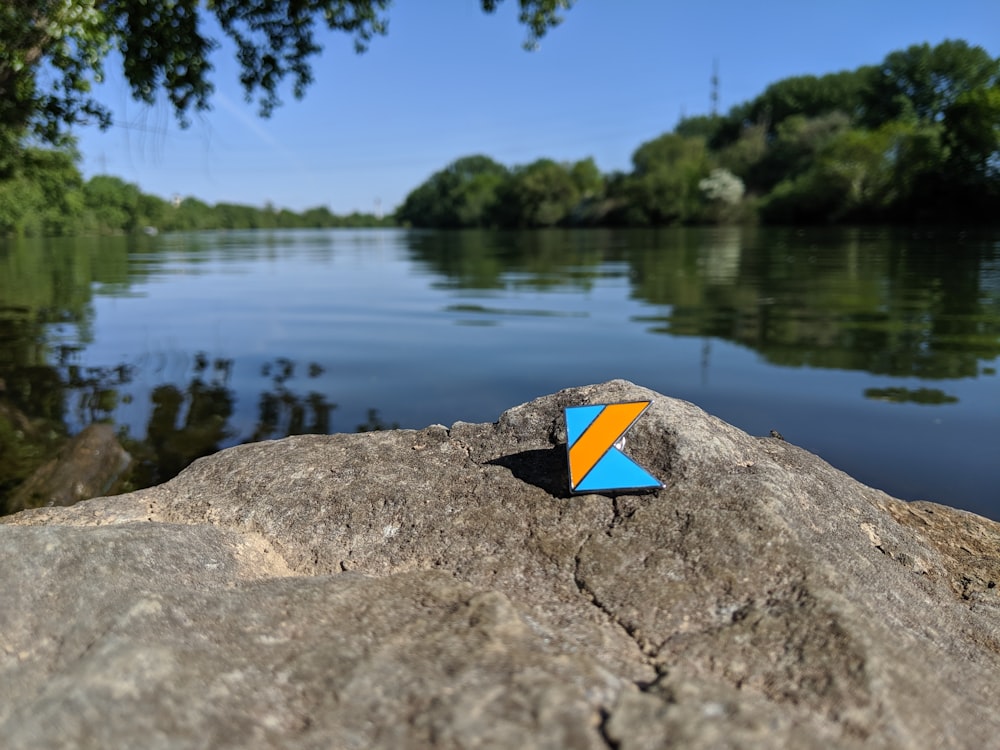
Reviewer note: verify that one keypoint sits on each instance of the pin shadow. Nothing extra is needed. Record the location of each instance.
(544, 468)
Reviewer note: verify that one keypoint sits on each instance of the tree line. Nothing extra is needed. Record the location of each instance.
(915, 139)
(52, 52)
(44, 194)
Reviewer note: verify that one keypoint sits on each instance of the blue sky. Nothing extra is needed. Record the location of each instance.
(449, 81)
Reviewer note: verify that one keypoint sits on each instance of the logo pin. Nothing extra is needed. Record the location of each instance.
(595, 443)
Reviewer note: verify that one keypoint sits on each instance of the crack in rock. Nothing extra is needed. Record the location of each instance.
(592, 597)
(762, 615)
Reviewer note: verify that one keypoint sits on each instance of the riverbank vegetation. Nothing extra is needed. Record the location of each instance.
(914, 139)
(51, 54)
(44, 194)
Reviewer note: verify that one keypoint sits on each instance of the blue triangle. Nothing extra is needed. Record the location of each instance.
(616, 471)
(578, 419)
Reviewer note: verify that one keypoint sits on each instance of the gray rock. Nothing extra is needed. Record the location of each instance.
(91, 464)
(439, 588)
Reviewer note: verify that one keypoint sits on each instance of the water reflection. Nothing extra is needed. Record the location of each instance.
(902, 395)
(501, 312)
(334, 323)
(843, 300)
(185, 421)
(481, 260)
(886, 303)
(282, 412)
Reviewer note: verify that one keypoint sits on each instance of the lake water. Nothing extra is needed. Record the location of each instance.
(877, 350)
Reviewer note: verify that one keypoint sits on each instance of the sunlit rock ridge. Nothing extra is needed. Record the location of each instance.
(441, 588)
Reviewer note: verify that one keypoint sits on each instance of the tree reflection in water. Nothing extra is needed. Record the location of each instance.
(185, 421)
(920, 310)
(282, 412)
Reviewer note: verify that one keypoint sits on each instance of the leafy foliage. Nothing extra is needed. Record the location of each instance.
(538, 15)
(799, 96)
(42, 195)
(52, 51)
(46, 195)
(463, 194)
(69, 39)
(914, 139)
(972, 131)
(476, 191)
(723, 186)
(543, 193)
(922, 82)
(663, 187)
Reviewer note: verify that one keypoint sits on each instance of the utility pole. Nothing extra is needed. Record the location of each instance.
(714, 96)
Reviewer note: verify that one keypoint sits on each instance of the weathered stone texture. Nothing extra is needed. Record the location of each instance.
(439, 588)
(90, 464)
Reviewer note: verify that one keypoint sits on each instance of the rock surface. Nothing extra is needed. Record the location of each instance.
(439, 588)
(25, 443)
(89, 465)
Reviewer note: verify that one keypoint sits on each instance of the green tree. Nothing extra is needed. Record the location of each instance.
(587, 177)
(972, 131)
(893, 172)
(593, 203)
(699, 126)
(918, 156)
(112, 203)
(812, 96)
(59, 182)
(923, 82)
(850, 175)
(41, 194)
(916, 138)
(193, 214)
(460, 195)
(235, 216)
(20, 199)
(805, 96)
(951, 161)
(794, 148)
(663, 187)
(51, 51)
(286, 219)
(743, 156)
(153, 211)
(859, 163)
(542, 194)
(318, 217)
